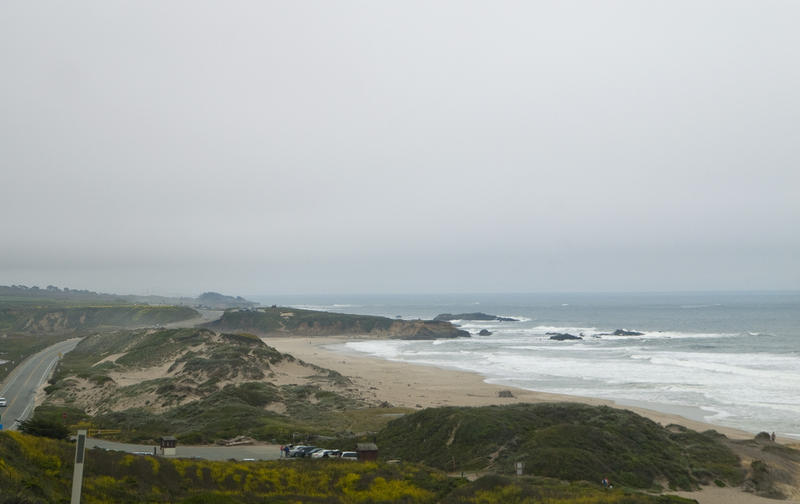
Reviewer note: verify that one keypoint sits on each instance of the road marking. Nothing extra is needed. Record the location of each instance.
(32, 400)
(45, 359)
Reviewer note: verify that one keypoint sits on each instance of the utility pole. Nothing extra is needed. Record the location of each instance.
(77, 474)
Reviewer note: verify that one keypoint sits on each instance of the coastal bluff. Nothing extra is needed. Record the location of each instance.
(283, 321)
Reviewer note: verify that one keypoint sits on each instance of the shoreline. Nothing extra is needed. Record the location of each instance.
(420, 386)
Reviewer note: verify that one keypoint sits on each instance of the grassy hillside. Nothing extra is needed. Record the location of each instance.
(68, 318)
(319, 323)
(38, 470)
(198, 385)
(561, 440)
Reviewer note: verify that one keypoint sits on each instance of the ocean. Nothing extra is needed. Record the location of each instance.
(731, 359)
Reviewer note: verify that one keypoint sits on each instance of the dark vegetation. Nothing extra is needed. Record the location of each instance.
(45, 427)
(37, 470)
(500, 489)
(319, 323)
(561, 440)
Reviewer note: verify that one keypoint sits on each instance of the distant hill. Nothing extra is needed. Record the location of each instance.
(21, 295)
(293, 321)
(221, 301)
(14, 295)
(63, 319)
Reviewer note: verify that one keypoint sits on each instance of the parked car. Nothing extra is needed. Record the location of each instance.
(3, 402)
(296, 450)
(302, 451)
(311, 452)
(348, 455)
(326, 454)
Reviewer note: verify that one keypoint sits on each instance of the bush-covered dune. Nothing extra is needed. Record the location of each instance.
(561, 440)
(50, 319)
(37, 470)
(293, 321)
(196, 384)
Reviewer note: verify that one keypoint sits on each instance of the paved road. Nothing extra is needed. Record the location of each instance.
(257, 452)
(20, 386)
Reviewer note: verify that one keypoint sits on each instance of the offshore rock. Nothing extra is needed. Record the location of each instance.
(446, 317)
(563, 336)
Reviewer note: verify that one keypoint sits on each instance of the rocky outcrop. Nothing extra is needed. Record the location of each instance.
(622, 332)
(297, 322)
(485, 332)
(563, 336)
(422, 330)
(472, 316)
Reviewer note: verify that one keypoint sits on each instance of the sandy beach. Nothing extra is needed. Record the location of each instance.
(417, 386)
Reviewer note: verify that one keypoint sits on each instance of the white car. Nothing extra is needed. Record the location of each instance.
(349, 455)
(326, 454)
(3, 402)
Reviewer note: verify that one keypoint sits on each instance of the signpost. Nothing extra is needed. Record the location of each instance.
(77, 474)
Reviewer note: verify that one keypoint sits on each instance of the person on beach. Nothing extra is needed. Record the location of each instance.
(772, 437)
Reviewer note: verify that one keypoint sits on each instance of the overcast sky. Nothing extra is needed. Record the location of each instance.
(340, 146)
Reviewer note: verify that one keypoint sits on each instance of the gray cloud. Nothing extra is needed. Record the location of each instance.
(380, 147)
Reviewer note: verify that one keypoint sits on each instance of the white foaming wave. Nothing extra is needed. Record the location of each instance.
(379, 348)
(489, 324)
(757, 361)
(715, 367)
(592, 333)
(322, 307)
(571, 347)
(571, 330)
(668, 335)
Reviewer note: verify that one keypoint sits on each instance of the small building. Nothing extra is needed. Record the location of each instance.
(168, 445)
(367, 451)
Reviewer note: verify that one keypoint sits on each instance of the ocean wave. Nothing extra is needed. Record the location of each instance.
(331, 307)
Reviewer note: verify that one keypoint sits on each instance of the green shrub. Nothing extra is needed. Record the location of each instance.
(561, 440)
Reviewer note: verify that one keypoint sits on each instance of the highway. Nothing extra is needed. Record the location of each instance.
(20, 387)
